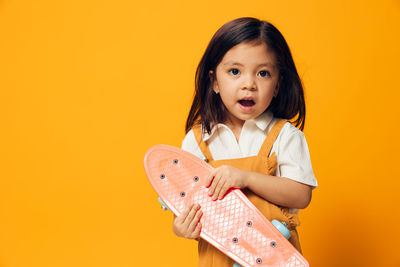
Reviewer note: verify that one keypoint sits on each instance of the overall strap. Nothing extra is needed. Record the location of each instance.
(202, 145)
(271, 137)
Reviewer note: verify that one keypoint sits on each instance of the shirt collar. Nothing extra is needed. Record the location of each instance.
(261, 122)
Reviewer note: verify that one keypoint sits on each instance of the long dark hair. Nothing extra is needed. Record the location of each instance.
(207, 107)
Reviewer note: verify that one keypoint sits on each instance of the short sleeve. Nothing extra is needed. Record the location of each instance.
(189, 144)
(293, 156)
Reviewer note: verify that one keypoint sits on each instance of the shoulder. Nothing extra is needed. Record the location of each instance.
(290, 133)
(189, 144)
(289, 129)
(286, 133)
(293, 155)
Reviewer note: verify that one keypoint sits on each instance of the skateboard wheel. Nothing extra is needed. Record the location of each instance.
(282, 228)
(162, 176)
(163, 206)
(259, 261)
(196, 179)
(175, 161)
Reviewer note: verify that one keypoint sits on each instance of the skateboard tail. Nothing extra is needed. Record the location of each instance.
(175, 190)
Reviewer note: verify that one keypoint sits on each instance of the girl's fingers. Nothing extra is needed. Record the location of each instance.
(192, 213)
(218, 188)
(210, 178)
(223, 191)
(197, 230)
(184, 214)
(211, 190)
(195, 221)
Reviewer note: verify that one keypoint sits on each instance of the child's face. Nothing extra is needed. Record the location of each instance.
(247, 80)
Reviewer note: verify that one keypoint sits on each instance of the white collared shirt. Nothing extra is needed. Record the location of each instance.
(290, 147)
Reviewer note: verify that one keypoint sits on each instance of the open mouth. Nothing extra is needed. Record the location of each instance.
(247, 102)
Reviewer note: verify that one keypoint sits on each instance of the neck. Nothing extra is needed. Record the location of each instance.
(236, 126)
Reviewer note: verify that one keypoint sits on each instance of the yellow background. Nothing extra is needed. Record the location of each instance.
(86, 87)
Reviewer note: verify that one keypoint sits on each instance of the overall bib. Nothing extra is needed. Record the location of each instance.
(208, 254)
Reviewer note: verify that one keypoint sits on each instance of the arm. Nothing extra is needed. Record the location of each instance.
(278, 190)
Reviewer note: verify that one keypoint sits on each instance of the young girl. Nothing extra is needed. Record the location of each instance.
(247, 88)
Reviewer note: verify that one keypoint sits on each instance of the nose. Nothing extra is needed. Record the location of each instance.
(249, 83)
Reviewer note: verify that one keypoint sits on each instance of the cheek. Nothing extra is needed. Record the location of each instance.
(226, 97)
(266, 98)
(225, 84)
(266, 101)
(226, 88)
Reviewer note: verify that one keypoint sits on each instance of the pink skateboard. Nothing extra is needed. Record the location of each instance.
(233, 225)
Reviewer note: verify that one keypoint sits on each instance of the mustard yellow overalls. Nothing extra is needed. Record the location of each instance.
(208, 254)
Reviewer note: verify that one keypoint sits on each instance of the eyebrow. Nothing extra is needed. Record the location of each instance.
(267, 64)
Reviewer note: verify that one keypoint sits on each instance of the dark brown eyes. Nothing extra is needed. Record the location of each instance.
(262, 73)
(234, 71)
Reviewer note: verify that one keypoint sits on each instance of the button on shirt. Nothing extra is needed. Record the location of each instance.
(290, 147)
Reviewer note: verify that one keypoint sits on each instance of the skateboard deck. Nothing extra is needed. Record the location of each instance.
(233, 225)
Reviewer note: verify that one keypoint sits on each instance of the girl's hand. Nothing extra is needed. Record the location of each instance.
(223, 178)
(188, 224)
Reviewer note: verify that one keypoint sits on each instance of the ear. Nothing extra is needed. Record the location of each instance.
(214, 82)
(276, 91)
